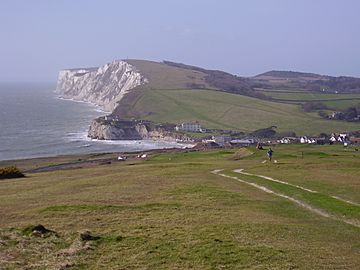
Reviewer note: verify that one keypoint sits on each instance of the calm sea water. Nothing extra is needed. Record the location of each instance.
(34, 122)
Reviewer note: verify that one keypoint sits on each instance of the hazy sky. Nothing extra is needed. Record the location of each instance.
(244, 37)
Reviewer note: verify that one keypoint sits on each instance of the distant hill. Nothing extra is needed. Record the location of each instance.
(169, 92)
(171, 75)
(177, 92)
(221, 80)
(289, 74)
(305, 81)
(174, 76)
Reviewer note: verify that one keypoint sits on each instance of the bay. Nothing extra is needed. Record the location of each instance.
(34, 122)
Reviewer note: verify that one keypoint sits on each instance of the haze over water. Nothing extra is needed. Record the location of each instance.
(35, 123)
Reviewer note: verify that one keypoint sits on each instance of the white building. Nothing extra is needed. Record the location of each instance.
(242, 142)
(190, 127)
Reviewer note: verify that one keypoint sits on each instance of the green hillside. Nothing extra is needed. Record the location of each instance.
(178, 92)
(162, 76)
(173, 211)
(333, 101)
(215, 109)
(309, 96)
(306, 81)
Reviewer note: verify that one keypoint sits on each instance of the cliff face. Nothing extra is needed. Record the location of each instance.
(103, 86)
(132, 130)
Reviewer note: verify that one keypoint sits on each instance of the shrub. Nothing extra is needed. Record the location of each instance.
(265, 132)
(313, 106)
(10, 172)
(285, 134)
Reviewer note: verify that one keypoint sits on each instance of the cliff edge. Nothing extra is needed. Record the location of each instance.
(109, 128)
(104, 86)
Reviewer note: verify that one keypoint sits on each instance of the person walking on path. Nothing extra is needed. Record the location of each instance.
(270, 154)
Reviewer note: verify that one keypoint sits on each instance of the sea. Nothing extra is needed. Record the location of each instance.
(35, 122)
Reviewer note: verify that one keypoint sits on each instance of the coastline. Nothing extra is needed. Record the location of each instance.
(97, 107)
(80, 161)
(150, 144)
(60, 128)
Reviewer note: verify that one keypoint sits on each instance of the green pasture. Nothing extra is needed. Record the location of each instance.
(220, 110)
(172, 212)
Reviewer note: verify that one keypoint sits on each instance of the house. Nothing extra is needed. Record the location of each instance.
(221, 140)
(287, 140)
(242, 142)
(189, 127)
(333, 138)
(341, 138)
(307, 140)
(337, 115)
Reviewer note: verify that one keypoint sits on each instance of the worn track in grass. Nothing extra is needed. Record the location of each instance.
(298, 202)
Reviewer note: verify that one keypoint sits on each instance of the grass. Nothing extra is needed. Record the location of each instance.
(162, 76)
(173, 91)
(341, 104)
(317, 200)
(230, 111)
(309, 96)
(170, 212)
(332, 101)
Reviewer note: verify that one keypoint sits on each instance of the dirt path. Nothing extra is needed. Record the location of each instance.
(241, 171)
(274, 180)
(296, 201)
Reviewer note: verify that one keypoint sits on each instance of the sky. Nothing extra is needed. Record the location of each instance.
(244, 37)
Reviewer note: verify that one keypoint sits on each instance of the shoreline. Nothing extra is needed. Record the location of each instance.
(53, 141)
(100, 152)
(79, 161)
(98, 108)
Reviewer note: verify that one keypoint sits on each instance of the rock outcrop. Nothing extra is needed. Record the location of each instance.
(103, 86)
(106, 128)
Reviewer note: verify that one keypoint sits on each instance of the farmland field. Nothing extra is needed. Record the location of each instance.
(297, 95)
(173, 211)
(332, 100)
(215, 109)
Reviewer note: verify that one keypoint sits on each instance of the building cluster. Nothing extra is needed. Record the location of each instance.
(227, 140)
(342, 138)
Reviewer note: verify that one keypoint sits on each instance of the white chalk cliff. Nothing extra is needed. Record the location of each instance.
(103, 86)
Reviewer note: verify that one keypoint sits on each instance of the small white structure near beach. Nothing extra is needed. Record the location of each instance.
(190, 127)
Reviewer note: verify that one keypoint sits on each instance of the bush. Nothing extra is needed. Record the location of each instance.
(313, 106)
(265, 132)
(285, 134)
(10, 172)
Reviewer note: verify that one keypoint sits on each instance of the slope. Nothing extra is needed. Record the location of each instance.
(215, 109)
(306, 81)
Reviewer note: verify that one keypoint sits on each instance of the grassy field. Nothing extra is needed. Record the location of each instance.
(162, 76)
(341, 104)
(333, 101)
(216, 109)
(172, 212)
(297, 95)
(171, 96)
